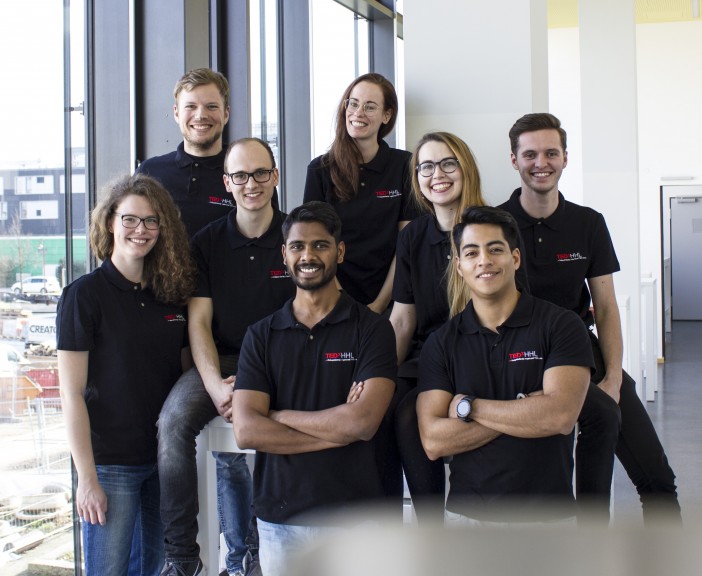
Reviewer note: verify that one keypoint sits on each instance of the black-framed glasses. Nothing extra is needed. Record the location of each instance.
(370, 108)
(132, 221)
(447, 165)
(261, 176)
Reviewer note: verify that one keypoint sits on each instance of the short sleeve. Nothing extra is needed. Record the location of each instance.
(402, 284)
(200, 249)
(434, 371)
(77, 318)
(314, 183)
(251, 372)
(569, 342)
(377, 353)
(604, 259)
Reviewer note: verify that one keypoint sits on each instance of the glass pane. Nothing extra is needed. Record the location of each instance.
(400, 131)
(264, 72)
(336, 61)
(35, 482)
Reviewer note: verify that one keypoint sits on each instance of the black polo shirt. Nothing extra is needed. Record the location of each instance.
(423, 256)
(196, 184)
(563, 251)
(134, 345)
(245, 277)
(303, 369)
(462, 357)
(370, 220)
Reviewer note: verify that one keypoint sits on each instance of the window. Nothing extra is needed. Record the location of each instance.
(264, 73)
(333, 68)
(34, 454)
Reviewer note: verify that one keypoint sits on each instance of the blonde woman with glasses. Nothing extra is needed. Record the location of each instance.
(445, 180)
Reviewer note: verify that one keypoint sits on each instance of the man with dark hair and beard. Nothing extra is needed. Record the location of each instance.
(315, 379)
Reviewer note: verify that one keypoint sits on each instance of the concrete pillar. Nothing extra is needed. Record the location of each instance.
(473, 68)
(610, 143)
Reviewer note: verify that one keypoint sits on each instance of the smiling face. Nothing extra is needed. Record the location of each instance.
(250, 157)
(358, 123)
(201, 114)
(540, 160)
(131, 244)
(440, 189)
(311, 255)
(485, 261)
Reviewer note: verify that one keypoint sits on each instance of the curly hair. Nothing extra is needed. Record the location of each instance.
(168, 269)
(344, 158)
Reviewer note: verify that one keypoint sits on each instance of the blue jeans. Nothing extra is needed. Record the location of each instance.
(131, 541)
(185, 413)
(281, 545)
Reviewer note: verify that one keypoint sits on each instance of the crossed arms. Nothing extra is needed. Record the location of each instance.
(536, 416)
(258, 427)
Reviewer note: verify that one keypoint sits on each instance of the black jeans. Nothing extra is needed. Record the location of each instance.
(426, 480)
(629, 433)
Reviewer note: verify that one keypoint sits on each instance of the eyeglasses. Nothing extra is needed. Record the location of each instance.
(370, 108)
(447, 165)
(261, 176)
(131, 221)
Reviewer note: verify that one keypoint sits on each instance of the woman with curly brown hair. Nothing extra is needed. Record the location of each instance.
(121, 338)
(368, 184)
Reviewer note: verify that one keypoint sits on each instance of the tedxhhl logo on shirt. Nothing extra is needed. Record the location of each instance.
(174, 318)
(521, 356)
(387, 194)
(339, 357)
(277, 274)
(570, 257)
(220, 201)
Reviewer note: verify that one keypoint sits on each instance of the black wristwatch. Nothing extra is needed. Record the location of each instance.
(464, 408)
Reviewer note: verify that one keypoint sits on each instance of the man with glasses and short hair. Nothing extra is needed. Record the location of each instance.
(241, 279)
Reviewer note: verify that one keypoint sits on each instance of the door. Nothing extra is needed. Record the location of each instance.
(686, 257)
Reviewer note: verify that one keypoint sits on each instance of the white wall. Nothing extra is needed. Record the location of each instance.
(472, 71)
(669, 116)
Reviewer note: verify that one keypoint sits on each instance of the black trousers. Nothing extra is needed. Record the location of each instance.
(627, 431)
(426, 479)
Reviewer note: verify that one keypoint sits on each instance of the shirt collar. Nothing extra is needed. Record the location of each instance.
(555, 221)
(216, 162)
(116, 278)
(520, 316)
(269, 239)
(381, 159)
(285, 319)
(436, 235)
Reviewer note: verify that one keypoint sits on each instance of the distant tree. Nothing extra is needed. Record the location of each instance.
(23, 254)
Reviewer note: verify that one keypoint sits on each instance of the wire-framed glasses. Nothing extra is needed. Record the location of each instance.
(370, 108)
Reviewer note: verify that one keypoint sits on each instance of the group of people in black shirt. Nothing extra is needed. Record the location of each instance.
(391, 323)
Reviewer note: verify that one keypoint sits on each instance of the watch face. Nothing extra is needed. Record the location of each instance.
(463, 408)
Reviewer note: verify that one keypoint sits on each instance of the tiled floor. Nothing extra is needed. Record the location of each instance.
(677, 415)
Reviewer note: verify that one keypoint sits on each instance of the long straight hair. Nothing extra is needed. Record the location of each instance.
(344, 158)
